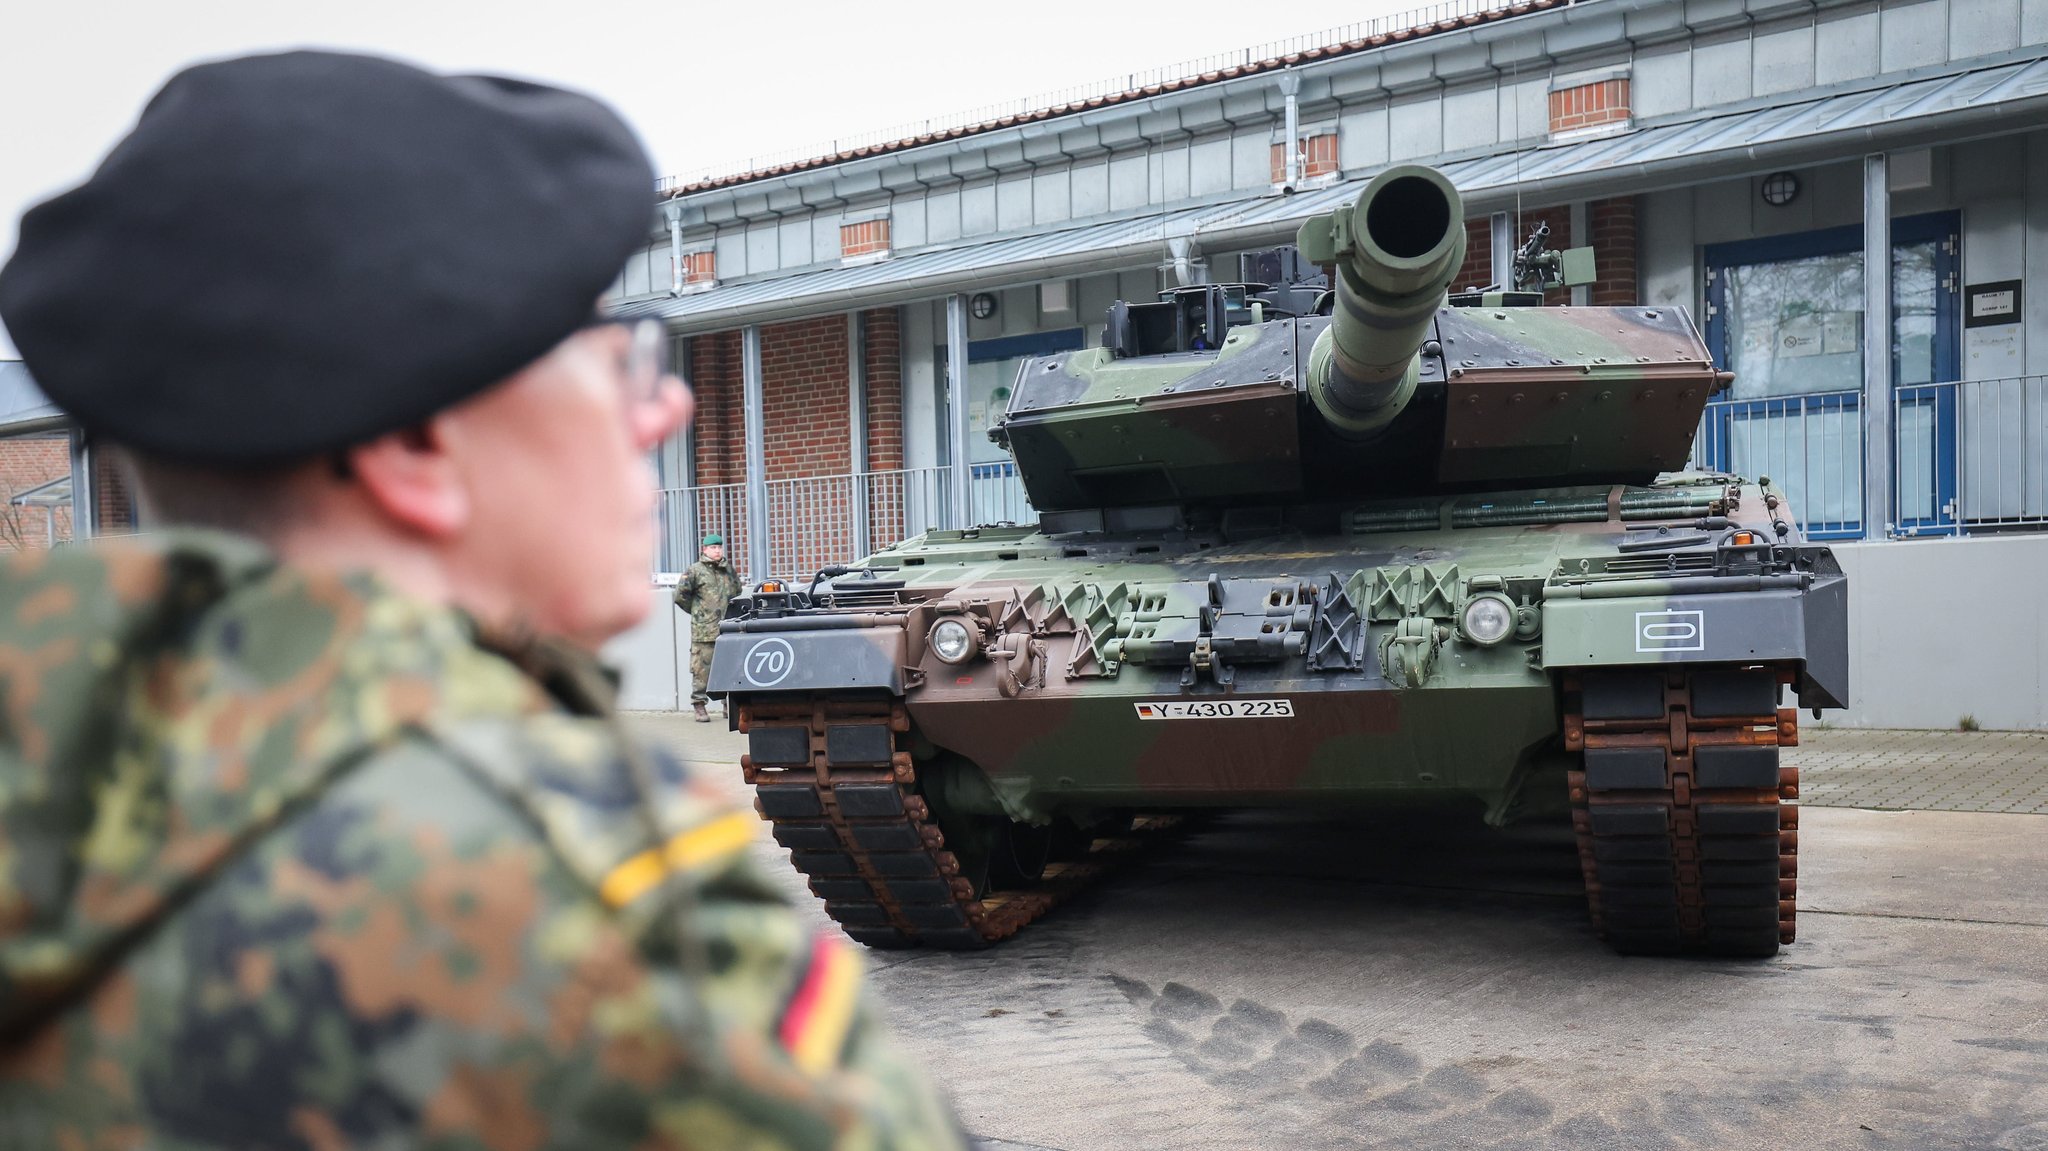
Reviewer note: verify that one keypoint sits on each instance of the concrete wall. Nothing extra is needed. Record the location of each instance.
(653, 660)
(1938, 629)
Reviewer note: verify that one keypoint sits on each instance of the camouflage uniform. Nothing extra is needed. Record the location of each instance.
(288, 861)
(704, 591)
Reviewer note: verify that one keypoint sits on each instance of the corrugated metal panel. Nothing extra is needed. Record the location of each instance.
(1915, 112)
(919, 274)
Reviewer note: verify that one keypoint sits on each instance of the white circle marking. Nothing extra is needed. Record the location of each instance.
(769, 662)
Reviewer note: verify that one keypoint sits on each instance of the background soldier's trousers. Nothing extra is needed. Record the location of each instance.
(700, 669)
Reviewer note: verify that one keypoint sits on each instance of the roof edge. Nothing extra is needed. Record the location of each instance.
(1435, 20)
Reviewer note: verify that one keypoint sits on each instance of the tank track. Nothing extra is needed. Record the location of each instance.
(1687, 830)
(835, 781)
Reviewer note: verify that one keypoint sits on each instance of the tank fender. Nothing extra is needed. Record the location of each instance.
(794, 658)
(1786, 624)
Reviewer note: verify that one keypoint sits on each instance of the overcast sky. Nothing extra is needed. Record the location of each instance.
(705, 84)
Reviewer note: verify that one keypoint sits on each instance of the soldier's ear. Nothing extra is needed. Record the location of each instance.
(412, 481)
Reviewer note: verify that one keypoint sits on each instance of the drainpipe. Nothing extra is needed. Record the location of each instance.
(959, 500)
(85, 505)
(1290, 86)
(1877, 348)
(1182, 251)
(1503, 250)
(857, 429)
(1582, 236)
(675, 253)
(759, 555)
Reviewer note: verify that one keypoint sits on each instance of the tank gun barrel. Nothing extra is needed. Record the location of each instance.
(1396, 250)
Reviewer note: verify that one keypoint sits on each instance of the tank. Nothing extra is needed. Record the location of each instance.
(1333, 535)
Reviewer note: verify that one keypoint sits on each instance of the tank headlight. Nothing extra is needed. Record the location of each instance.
(952, 641)
(1489, 619)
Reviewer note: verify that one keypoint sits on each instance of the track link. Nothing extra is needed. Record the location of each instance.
(1687, 830)
(834, 780)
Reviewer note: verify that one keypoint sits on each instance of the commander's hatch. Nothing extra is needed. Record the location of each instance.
(1092, 429)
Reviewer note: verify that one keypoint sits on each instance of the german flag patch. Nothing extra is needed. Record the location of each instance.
(819, 1018)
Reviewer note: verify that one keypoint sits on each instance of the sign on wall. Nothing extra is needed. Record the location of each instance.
(1994, 341)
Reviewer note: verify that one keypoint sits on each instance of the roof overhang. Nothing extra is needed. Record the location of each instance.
(54, 494)
(1909, 111)
(24, 409)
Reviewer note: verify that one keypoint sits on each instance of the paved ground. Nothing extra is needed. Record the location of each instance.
(1925, 770)
(1280, 980)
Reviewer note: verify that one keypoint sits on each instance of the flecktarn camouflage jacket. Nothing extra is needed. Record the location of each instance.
(704, 591)
(287, 861)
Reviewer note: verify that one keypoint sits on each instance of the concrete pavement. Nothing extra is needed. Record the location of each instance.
(1290, 980)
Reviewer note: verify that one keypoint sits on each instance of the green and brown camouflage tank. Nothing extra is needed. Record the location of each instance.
(1339, 546)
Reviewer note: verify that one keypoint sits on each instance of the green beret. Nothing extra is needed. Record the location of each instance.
(713, 538)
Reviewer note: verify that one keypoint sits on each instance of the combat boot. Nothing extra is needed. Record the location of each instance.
(702, 715)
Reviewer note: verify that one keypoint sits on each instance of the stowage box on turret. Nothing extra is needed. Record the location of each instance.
(1331, 536)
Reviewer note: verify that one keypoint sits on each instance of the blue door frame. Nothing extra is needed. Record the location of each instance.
(989, 351)
(1937, 398)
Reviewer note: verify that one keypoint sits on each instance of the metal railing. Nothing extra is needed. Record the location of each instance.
(1968, 457)
(1972, 456)
(989, 114)
(686, 515)
(995, 495)
(1810, 446)
(819, 520)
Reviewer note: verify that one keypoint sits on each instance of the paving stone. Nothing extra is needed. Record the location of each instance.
(1994, 771)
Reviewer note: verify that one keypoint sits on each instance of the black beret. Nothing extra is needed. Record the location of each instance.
(292, 253)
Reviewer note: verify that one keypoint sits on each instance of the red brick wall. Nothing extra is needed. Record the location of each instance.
(884, 335)
(804, 399)
(864, 238)
(719, 428)
(116, 505)
(1589, 105)
(1613, 227)
(1613, 224)
(25, 462)
(700, 267)
(1318, 157)
(1478, 269)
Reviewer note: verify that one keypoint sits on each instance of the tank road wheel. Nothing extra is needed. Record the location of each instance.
(1687, 830)
(836, 780)
(1022, 853)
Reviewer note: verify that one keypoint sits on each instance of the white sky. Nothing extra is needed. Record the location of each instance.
(704, 83)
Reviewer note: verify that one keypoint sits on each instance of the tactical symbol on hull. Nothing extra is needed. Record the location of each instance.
(1671, 631)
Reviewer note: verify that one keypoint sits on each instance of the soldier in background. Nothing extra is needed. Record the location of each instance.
(703, 592)
(317, 827)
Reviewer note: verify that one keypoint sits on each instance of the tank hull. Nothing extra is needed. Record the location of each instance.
(1267, 663)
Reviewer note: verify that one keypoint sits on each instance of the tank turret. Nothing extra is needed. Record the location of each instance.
(1396, 250)
(1344, 369)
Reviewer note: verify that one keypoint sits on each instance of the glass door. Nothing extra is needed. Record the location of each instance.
(1785, 314)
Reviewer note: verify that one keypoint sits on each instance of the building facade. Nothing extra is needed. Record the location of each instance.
(44, 463)
(1849, 196)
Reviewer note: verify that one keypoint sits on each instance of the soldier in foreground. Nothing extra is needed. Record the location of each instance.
(703, 592)
(317, 828)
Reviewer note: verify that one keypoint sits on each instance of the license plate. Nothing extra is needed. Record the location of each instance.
(1217, 709)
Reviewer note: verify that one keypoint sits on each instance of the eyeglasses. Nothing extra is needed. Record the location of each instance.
(647, 360)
